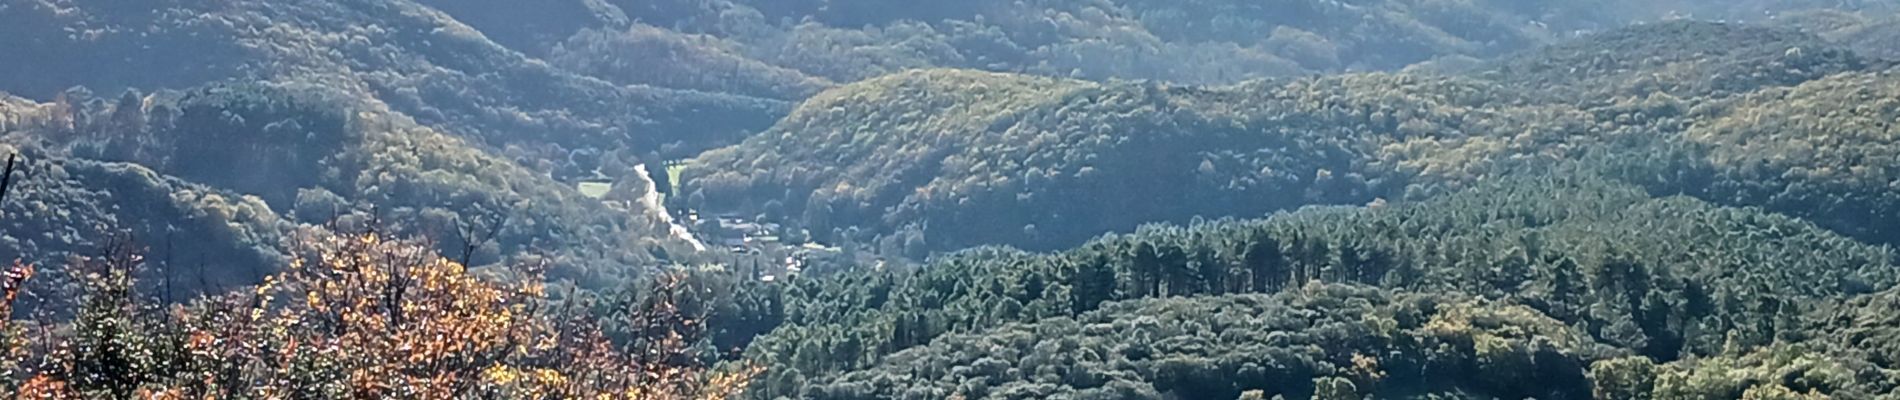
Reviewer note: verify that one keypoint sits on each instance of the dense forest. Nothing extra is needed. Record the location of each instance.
(885, 199)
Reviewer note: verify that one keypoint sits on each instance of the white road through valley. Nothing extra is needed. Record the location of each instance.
(650, 200)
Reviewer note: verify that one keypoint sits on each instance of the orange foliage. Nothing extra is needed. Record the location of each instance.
(365, 317)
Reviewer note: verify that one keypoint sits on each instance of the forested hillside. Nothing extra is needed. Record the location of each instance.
(1823, 149)
(872, 199)
(414, 58)
(1669, 279)
(1197, 42)
(1358, 342)
(1696, 60)
(983, 158)
(1146, 152)
(318, 158)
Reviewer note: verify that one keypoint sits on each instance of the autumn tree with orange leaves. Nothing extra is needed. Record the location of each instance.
(359, 316)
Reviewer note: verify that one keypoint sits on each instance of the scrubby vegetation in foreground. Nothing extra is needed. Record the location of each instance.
(358, 316)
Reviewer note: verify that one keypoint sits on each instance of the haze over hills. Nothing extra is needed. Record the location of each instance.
(1697, 60)
(414, 58)
(858, 199)
(1187, 42)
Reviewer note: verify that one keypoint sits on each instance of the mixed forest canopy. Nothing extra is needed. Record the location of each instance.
(876, 199)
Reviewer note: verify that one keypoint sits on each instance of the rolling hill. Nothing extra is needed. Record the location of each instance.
(416, 59)
(1666, 279)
